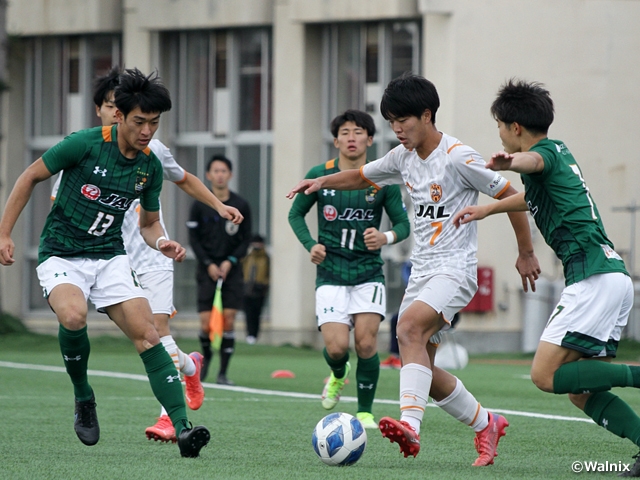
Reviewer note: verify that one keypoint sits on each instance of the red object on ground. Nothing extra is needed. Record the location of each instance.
(283, 374)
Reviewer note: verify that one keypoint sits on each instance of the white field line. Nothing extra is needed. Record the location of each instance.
(256, 391)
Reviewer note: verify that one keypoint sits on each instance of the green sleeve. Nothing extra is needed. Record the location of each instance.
(65, 154)
(150, 198)
(397, 212)
(301, 206)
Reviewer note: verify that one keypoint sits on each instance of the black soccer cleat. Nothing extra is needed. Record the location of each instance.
(223, 380)
(86, 422)
(192, 440)
(635, 468)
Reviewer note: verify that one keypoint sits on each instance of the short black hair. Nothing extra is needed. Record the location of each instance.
(105, 84)
(526, 103)
(220, 158)
(409, 95)
(360, 118)
(135, 89)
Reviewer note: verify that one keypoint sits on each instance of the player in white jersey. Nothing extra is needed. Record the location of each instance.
(154, 270)
(442, 176)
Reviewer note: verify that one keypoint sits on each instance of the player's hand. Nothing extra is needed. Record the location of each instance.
(529, 269)
(499, 161)
(306, 186)
(6, 250)
(374, 239)
(469, 214)
(225, 268)
(214, 272)
(231, 213)
(318, 253)
(172, 249)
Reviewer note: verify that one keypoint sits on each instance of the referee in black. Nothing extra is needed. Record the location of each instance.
(219, 246)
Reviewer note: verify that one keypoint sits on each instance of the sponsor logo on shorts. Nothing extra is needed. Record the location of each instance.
(90, 191)
(330, 213)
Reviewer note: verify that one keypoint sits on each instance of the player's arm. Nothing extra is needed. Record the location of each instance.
(345, 180)
(514, 203)
(153, 234)
(521, 162)
(195, 188)
(18, 198)
(527, 263)
(394, 206)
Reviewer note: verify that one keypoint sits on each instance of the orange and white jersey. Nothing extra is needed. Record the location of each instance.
(142, 257)
(445, 182)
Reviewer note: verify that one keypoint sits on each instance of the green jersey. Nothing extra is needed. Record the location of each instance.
(343, 216)
(567, 216)
(97, 187)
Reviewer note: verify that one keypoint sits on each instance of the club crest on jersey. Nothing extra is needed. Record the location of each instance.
(436, 192)
(330, 213)
(140, 184)
(370, 195)
(231, 228)
(90, 191)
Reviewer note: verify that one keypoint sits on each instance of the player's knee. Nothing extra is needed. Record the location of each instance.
(409, 333)
(366, 348)
(542, 380)
(73, 318)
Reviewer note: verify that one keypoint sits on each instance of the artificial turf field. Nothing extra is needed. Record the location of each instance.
(262, 428)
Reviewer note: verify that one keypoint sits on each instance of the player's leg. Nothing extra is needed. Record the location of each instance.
(206, 291)
(67, 284)
(116, 293)
(367, 305)
(368, 370)
(232, 293)
(450, 394)
(252, 310)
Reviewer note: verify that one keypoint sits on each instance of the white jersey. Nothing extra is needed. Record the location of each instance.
(444, 183)
(142, 257)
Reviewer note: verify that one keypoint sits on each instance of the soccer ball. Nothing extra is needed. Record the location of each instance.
(339, 439)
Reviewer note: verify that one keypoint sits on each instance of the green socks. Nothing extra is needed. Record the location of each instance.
(75, 349)
(338, 367)
(165, 383)
(614, 415)
(592, 376)
(367, 374)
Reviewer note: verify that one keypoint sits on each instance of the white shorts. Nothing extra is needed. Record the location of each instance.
(446, 292)
(158, 288)
(338, 304)
(591, 314)
(104, 282)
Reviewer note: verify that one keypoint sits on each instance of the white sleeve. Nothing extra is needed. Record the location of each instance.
(385, 170)
(471, 167)
(56, 186)
(172, 171)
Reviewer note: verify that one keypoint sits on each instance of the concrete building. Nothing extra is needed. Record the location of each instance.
(260, 80)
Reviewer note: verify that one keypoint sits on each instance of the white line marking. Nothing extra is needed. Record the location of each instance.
(256, 391)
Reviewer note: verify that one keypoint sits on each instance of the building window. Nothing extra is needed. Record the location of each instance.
(60, 73)
(220, 82)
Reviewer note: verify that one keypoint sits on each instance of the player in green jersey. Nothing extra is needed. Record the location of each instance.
(598, 296)
(82, 256)
(350, 291)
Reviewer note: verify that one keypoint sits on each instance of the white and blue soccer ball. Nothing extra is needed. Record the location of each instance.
(339, 439)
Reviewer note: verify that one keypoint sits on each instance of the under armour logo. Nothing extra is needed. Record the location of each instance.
(64, 274)
(330, 309)
(171, 378)
(326, 192)
(362, 386)
(97, 171)
(605, 423)
(77, 358)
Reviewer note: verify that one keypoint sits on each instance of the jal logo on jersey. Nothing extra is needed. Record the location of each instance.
(436, 192)
(431, 212)
(90, 191)
(116, 201)
(330, 213)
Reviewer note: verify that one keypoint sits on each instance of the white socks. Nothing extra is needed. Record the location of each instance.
(415, 383)
(182, 361)
(464, 407)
